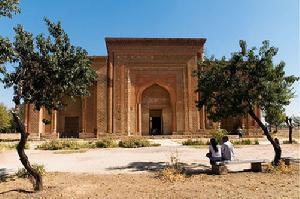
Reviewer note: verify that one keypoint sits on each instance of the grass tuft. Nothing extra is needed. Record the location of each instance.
(135, 143)
(23, 173)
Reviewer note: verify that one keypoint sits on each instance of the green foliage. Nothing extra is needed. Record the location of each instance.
(288, 142)
(256, 142)
(249, 79)
(194, 142)
(23, 173)
(65, 145)
(6, 146)
(9, 7)
(274, 116)
(135, 143)
(5, 118)
(48, 68)
(106, 143)
(242, 142)
(218, 134)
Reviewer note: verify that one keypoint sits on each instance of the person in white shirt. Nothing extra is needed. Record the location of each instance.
(214, 153)
(227, 149)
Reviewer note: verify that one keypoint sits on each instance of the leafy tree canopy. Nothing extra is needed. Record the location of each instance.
(48, 67)
(9, 7)
(5, 117)
(247, 80)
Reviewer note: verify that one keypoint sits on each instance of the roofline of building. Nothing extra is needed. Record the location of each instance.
(154, 41)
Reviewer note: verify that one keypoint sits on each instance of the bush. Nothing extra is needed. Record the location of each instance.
(4, 146)
(23, 173)
(194, 142)
(135, 143)
(106, 143)
(174, 171)
(218, 134)
(256, 142)
(242, 142)
(288, 142)
(65, 145)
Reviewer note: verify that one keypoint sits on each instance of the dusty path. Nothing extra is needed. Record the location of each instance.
(235, 185)
(120, 160)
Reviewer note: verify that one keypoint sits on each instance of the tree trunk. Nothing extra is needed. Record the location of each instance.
(288, 122)
(23, 157)
(276, 146)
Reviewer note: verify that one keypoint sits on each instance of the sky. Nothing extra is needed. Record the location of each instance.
(222, 23)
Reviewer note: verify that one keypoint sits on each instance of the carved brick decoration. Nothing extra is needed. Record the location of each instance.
(140, 79)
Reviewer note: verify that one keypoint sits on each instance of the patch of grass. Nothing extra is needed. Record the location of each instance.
(174, 170)
(106, 143)
(242, 142)
(6, 146)
(135, 143)
(281, 168)
(70, 151)
(256, 142)
(194, 142)
(23, 173)
(199, 146)
(65, 145)
(287, 142)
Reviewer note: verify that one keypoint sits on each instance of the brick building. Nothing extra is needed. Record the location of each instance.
(145, 87)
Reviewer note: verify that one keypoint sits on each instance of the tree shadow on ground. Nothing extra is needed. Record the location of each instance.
(189, 169)
(16, 190)
(5, 176)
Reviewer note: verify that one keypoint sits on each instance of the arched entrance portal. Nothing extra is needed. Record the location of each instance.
(156, 111)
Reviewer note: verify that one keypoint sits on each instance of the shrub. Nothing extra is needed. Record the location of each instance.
(194, 142)
(287, 142)
(242, 142)
(4, 146)
(23, 173)
(106, 143)
(218, 134)
(174, 171)
(65, 144)
(134, 143)
(256, 141)
(281, 168)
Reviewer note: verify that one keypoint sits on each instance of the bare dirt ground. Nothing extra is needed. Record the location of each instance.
(132, 173)
(147, 185)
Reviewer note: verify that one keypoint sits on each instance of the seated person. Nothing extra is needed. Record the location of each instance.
(214, 154)
(227, 149)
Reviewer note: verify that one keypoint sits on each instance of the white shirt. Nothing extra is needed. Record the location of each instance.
(214, 154)
(227, 151)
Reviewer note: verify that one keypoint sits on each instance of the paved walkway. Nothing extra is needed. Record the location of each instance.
(121, 160)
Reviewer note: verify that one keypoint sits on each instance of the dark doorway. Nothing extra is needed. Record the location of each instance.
(71, 127)
(155, 122)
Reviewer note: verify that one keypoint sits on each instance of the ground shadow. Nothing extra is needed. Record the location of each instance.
(16, 190)
(5, 174)
(189, 169)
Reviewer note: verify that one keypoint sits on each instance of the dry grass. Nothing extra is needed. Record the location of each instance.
(170, 174)
(282, 168)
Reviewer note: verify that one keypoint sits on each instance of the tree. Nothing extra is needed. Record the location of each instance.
(289, 123)
(5, 118)
(249, 79)
(296, 121)
(48, 69)
(9, 7)
(274, 117)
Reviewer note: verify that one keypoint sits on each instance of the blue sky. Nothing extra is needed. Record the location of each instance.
(223, 23)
